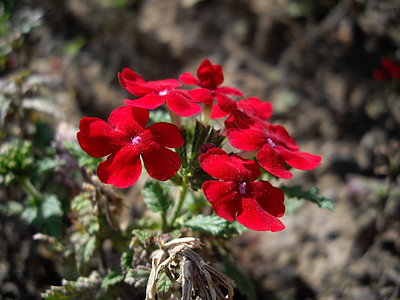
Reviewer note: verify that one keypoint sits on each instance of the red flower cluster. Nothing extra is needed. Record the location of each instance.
(235, 194)
(255, 204)
(390, 68)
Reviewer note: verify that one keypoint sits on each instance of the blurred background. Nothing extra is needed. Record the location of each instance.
(331, 70)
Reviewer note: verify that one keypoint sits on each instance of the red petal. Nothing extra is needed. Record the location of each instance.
(246, 139)
(224, 198)
(280, 136)
(252, 167)
(162, 85)
(182, 105)
(254, 217)
(96, 137)
(219, 164)
(129, 76)
(210, 75)
(253, 106)
(202, 96)
(189, 79)
(270, 198)
(121, 169)
(131, 120)
(299, 160)
(217, 113)
(161, 163)
(166, 134)
(150, 101)
(271, 161)
(226, 90)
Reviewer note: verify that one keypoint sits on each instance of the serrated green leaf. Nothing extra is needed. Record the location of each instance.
(11, 208)
(51, 206)
(138, 276)
(241, 281)
(157, 196)
(164, 284)
(85, 245)
(141, 235)
(311, 195)
(112, 278)
(214, 225)
(126, 259)
(83, 288)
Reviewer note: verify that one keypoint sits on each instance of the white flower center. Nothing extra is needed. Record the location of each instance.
(163, 93)
(136, 140)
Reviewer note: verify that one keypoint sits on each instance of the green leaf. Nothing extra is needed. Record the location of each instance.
(157, 196)
(214, 225)
(112, 278)
(51, 206)
(241, 281)
(47, 164)
(164, 284)
(83, 288)
(11, 208)
(311, 195)
(126, 259)
(85, 245)
(138, 276)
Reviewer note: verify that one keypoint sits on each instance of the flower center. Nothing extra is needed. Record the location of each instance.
(242, 188)
(271, 143)
(163, 93)
(136, 140)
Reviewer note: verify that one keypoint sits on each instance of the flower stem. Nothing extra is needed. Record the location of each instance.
(206, 113)
(31, 190)
(174, 117)
(180, 202)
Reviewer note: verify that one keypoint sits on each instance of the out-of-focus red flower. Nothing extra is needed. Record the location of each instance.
(209, 78)
(275, 147)
(154, 93)
(391, 66)
(125, 139)
(255, 204)
(380, 74)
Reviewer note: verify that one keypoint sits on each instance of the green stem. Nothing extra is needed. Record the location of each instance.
(206, 113)
(31, 190)
(164, 224)
(180, 202)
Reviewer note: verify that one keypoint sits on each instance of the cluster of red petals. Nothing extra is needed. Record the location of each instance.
(274, 147)
(390, 68)
(124, 139)
(255, 204)
(247, 113)
(155, 93)
(209, 78)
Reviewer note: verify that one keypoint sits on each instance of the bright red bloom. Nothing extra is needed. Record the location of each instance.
(209, 78)
(248, 113)
(275, 147)
(125, 139)
(256, 205)
(155, 93)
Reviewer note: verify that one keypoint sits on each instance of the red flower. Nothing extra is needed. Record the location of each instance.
(379, 74)
(275, 147)
(256, 205)
(155, 93)
(248, 113)
(209, 78)
(392, 67)
(125, 139)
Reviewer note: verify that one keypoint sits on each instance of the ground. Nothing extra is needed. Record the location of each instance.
(314, 60)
